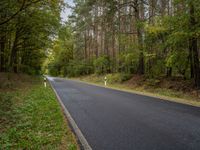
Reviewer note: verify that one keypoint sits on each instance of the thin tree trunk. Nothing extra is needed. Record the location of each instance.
(140, 40)
(2, 53)
(13, 56)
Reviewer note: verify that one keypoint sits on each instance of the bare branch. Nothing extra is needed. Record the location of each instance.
(23, 7)
(15, 14)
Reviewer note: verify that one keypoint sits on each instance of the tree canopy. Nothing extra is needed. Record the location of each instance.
(148, 37)
(27, 28)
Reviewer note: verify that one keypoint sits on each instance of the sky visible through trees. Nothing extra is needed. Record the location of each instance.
(67, 11)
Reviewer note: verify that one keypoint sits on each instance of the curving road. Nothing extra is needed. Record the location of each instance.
(115, 120)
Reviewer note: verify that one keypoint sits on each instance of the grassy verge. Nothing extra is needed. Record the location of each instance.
(143, 88)
(31, 118)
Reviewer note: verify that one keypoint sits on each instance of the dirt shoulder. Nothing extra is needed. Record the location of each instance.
(172, 89)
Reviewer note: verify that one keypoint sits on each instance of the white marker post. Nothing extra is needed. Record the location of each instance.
(105, 81)
(45, 82)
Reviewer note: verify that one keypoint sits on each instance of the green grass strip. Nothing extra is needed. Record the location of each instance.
(33, 119)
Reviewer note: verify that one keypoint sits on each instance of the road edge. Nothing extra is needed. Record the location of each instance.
(85, 145)
(161, 97)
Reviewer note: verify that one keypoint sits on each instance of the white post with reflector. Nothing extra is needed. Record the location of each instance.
(45, 82)
(105, 81)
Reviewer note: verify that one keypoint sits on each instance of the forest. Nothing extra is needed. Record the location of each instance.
(99, 74)
(28, 28)
(154, 38)
(151, 38)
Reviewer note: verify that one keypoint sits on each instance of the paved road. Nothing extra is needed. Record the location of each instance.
(116, 120)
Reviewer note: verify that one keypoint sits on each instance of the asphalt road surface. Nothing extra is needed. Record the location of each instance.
(115, 120)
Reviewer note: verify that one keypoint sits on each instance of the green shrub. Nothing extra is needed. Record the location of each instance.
(128, 62)
(178, 61)
(114, 78)
(102, 65)
(152, 82)
(154, 67)
(125, 76)
(76, 69)
(118, 77)
(54, 69)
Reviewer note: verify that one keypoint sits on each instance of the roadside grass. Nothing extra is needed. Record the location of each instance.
(31, 118)
(143, 89)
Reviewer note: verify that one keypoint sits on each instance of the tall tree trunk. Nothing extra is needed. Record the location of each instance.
(169, 71)
(193, 46)
(2, 53)
(191, 60)
(85, 44)
(140, 39)
(13, 56)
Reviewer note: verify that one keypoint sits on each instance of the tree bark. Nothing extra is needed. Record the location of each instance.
(140, 39)
(193, 46)
(2, 53)
(13, 56)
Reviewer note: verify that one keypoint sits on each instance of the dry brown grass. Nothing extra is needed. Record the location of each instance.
(175, 84)
(12, 82)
